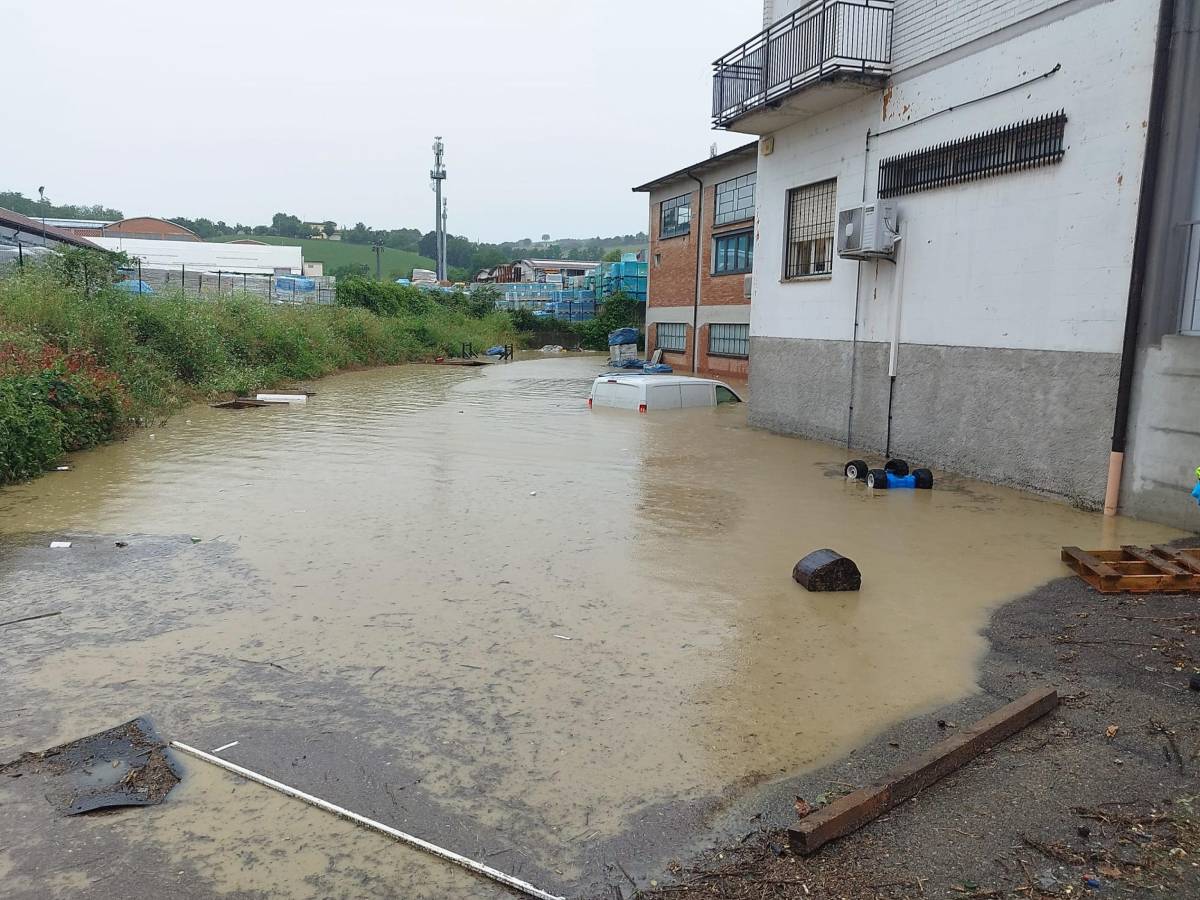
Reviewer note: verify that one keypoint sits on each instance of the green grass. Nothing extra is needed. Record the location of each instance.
(80, 366)
(395, 263)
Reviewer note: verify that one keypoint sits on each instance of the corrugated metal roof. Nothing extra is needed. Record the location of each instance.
(15, 220)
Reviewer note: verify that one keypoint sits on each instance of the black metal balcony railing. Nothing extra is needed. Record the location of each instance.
(818, 40)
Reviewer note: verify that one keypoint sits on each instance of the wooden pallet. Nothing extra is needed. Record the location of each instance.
(1160, 569)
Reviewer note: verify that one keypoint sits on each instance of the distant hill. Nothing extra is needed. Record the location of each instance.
(335, 254)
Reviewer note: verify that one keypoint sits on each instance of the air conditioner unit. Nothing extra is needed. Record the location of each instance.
(868, 231)
(747, 285)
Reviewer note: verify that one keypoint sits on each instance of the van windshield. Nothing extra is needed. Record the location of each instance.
(725, 395)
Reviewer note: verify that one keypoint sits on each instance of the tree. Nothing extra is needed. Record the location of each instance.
(613, 255)
(286, 225)
(545, 237)
(427, 246)
(329, 227)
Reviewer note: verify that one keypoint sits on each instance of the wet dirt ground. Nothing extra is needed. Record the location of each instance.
(456, 600)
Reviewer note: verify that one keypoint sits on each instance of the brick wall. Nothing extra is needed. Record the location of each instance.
(921, 29)
(673, 278)
(672, 269)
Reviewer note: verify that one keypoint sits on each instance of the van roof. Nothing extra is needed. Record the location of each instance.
(657, 379)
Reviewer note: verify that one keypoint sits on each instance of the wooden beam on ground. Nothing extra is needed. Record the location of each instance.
(849, 813)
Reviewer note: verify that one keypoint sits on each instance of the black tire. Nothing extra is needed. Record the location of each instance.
(877, 479)
(856, 470)
(924, 479)
(897, 467)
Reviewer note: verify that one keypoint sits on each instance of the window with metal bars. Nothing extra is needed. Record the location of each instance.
(733, 253)
(735, 199)
(729, 340)
(676, 216)
(672, 336)
(1035, 142)
(811, 215)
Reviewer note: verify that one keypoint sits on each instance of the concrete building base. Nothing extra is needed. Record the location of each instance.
(1164, 435)
(1034, 419)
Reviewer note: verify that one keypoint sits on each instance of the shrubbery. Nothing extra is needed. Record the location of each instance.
(80, 361)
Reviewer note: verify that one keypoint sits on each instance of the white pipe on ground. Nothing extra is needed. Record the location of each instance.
(448, 855)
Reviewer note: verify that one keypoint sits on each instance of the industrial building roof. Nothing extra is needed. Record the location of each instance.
(19, 223)
(749, 151)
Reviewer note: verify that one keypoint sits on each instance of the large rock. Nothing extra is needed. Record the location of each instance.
(827, 570)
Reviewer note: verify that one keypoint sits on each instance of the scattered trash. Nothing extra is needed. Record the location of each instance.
(195, 540)
(533, 493)
(30, 618)
(448, 855)
(226, 746)
(121, 543)
(62, 468)
(59, 545)
(562, 637)
(803, 807)
(942, 723)
(552, 348)
(1111, 731)
(1092, 882)
(124, 766)
(827, 570)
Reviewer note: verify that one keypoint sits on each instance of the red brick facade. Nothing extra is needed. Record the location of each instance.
(672, 283)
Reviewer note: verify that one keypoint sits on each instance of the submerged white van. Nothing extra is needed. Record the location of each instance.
(650, 392)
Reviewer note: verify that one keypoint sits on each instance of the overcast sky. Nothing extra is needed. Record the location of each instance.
(551, 110)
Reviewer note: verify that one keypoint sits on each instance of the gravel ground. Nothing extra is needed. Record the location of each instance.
(1094, 799)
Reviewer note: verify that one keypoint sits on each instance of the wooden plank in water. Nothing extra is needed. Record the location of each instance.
(851, 812)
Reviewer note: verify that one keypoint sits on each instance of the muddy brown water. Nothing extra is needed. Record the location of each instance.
(459, 601)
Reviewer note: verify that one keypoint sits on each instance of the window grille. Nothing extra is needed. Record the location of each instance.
(729, 340)
(672, 336)
(1036, 142)
(811, 214)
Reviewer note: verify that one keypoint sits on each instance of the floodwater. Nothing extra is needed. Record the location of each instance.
(460, 602)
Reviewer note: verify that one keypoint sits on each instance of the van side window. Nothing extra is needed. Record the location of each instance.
(725, 395)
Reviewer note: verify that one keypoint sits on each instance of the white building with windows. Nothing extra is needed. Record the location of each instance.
(1036, 163)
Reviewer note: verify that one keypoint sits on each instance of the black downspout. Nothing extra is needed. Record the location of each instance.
(699, 232)
(1141, 246)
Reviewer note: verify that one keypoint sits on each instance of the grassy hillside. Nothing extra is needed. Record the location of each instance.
(395, 263)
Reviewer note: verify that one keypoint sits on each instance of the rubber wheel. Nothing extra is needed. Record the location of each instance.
(896, 467)
(877, 478)
(856, 470)
(924, 478)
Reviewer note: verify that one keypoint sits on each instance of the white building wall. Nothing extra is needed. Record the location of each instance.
(1032, 260)
(209, 256)
(922, 29)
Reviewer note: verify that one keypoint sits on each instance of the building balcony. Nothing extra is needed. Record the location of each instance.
(822, 55)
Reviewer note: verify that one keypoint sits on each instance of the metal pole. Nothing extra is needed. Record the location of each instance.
(445, 271)
(449, 855)
(20, 256)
